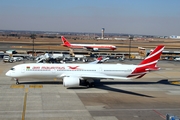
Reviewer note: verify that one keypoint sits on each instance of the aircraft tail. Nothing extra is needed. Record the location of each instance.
(100, 58)
(149, 63)
(97, 60)
(65, 42)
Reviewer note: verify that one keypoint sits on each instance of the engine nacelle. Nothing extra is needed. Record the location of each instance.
(71, 81)
(95, 49)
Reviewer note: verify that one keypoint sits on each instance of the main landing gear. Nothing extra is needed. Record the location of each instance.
(90, 83)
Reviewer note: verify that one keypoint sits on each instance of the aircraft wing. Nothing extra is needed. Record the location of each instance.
(102, 76)
(94, 62)
(88, 47)
(92, 75)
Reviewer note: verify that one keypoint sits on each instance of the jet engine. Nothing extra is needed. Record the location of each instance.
(71, 81)
(95, 49)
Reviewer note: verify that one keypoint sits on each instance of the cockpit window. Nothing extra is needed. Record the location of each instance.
(12, 68)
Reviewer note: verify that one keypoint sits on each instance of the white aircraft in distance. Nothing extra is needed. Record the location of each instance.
(74, 75)
(93, 47)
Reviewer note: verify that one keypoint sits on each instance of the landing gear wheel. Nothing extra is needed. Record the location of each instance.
(90, 84)
(17, 82)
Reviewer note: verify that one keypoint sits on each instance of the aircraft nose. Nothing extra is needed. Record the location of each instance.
(113, 47)
(8, 73)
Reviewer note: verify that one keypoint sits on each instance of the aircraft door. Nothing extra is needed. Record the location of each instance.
(23, 69)
(100, 69)
(53, 70)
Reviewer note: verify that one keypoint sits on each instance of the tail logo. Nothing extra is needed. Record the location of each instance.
(73, 68)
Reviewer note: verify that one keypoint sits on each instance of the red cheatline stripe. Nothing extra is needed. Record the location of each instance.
(137, 74)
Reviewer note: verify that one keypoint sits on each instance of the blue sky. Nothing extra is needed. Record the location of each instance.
(151, 17)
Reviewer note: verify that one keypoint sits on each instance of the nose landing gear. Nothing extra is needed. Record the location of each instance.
(17, 82)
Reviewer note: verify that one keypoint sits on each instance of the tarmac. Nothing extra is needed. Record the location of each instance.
(148, 98)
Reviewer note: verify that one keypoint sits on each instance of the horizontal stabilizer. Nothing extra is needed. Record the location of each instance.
(153, 69)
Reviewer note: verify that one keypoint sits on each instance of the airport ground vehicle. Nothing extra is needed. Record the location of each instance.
(177, 59)
(10, 58)
(6, 58)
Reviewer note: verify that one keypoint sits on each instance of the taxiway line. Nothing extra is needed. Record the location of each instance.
(24, 106)
(161, 115)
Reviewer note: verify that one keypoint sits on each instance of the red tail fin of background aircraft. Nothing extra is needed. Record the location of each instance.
(65, 42)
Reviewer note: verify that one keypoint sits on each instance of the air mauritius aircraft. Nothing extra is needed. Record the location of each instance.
(93, 47)
(74, 75)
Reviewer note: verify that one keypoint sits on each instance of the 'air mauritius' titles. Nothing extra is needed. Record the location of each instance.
(46, 68)
(50, 67)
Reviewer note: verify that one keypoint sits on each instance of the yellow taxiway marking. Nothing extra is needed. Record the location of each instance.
(17, 86)
(35, 86)
(24, 106)
(26, 90)
(175, 82)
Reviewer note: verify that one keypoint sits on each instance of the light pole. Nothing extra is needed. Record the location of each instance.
(33, 49)
(130, 38)
(33, 37)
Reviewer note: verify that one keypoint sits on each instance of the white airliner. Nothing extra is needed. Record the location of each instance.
(76, 74)
(93, 47)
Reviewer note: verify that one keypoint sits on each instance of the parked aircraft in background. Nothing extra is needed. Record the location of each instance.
(61, 58)
(77, 74)
(93, 47)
